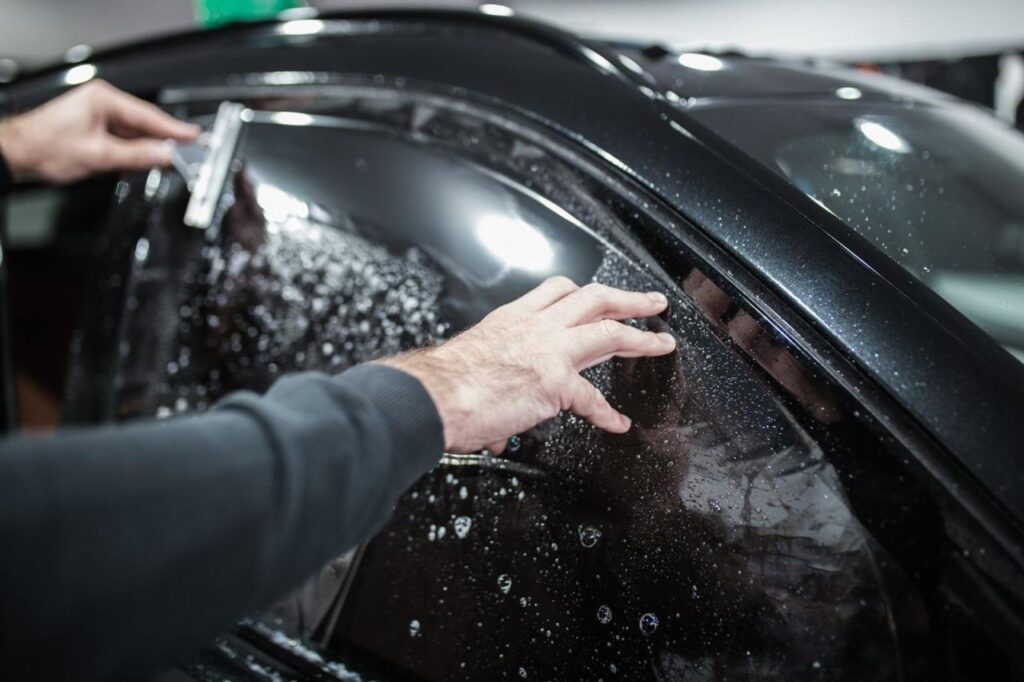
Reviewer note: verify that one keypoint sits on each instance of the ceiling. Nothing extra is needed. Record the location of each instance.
(37, 31)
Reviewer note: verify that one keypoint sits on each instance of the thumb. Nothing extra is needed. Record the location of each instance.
(121, 154)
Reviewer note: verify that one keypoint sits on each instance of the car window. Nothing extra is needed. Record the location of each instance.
(49, 238)
(936, 189)
(750, 525)
(713, 540)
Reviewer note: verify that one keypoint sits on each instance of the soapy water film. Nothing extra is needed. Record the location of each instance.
(274, 298)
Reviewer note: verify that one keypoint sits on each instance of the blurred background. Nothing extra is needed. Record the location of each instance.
(970, 49)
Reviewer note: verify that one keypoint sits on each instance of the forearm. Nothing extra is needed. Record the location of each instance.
(157, 535)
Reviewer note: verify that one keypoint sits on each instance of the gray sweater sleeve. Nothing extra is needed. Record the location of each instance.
(124, 547)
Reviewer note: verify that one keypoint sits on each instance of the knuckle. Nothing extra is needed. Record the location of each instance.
(611, 329)
(561, 282)
(96, 87)
(595, 291)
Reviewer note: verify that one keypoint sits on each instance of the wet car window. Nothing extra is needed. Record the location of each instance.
(717, 539)
(936, 189)
(713, 540)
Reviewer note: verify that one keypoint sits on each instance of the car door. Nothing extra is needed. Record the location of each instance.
(756, 522)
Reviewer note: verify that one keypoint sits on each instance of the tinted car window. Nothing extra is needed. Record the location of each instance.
(713, 540)
(937, 189)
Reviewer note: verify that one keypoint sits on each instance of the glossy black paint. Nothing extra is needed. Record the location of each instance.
(942, 387)
(404, 169)
(938, 366)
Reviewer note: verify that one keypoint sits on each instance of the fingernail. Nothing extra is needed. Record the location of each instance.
(667, 339)
(657, 297)
(627, 424)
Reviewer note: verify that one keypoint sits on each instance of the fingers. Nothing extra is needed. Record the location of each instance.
(598, 302)
(589, 403)
(138, 117)
(551, 290)
(118, 154)
(594, 343)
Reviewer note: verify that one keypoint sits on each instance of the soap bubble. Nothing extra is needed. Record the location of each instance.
(648, 623)
(589, 535)
(504, 583)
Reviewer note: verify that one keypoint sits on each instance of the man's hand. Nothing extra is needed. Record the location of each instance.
(521, 364)
(90, 129)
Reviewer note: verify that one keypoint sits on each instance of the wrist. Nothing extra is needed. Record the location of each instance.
(14, 149)
(430, 372)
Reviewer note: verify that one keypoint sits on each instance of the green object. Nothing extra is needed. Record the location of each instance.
(216, 12)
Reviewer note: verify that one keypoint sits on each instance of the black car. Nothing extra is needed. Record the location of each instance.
(824, 482)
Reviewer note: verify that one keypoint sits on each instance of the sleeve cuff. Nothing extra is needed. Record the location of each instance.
(408, 412)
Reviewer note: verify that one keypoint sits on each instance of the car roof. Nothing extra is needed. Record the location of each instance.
(714, 75)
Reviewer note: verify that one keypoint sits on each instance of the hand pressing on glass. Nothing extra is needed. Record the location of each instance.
(521, 364)
(91, 129)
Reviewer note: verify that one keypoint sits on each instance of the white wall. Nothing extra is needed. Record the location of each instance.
(846, 29)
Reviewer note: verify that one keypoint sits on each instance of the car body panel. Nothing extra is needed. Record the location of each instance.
(938, 384)
(904, 336)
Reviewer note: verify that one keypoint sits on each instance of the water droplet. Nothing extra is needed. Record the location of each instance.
(462, 525)
(514, 442)
(589, 535)
(414, 628)
(504, 583)
(648, 623)
(463, 493)
(522, 672)
(604, 614)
